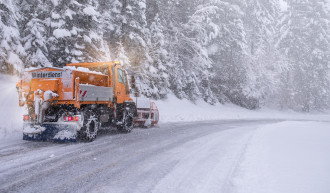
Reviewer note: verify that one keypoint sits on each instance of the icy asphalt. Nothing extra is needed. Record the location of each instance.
(173, 157)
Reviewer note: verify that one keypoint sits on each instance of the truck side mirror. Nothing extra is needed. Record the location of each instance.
(133, 82)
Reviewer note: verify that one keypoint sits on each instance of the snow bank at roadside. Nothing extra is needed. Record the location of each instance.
(11, 114)
(285, 157)
(175, 110)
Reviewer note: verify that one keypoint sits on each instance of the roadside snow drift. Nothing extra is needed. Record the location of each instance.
(287, 157)
(11, 115)
(175, 110)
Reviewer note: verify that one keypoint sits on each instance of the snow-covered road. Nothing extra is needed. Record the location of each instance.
(216, 156)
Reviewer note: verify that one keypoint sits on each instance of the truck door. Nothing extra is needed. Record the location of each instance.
(121, 86)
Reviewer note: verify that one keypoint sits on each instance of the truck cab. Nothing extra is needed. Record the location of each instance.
(121, 85)
(117, 77)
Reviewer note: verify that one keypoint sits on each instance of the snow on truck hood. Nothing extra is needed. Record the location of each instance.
(80, 69)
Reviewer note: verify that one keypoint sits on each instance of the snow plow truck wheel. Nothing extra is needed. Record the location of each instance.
(88, 131)
(127, 121)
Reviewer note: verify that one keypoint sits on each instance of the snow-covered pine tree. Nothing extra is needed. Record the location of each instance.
(164, 24)
(197, 34)
(176, 12)
(260, 21)
(134, 32)
(264, 65)
(133, 43)
(187, 63)
(76, 33)
(11, 49)
(228, 52)
(34, 33)
(159, 68)
(111, 24)
(305, 41)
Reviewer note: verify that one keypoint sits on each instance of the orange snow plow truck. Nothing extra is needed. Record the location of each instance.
(74, 102)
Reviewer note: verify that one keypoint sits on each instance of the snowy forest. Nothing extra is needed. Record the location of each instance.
(251, 53)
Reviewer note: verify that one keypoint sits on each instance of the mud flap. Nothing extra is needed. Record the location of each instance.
(58, 133)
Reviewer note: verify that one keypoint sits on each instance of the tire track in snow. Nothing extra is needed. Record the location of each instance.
(61, 161)
(227, 184)
(125, 166)
(202, 168)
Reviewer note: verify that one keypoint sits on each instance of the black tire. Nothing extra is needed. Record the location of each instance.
(127, 121)
(88, 131)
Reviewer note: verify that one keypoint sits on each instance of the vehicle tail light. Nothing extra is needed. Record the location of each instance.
(71, 118)
(26, 117)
